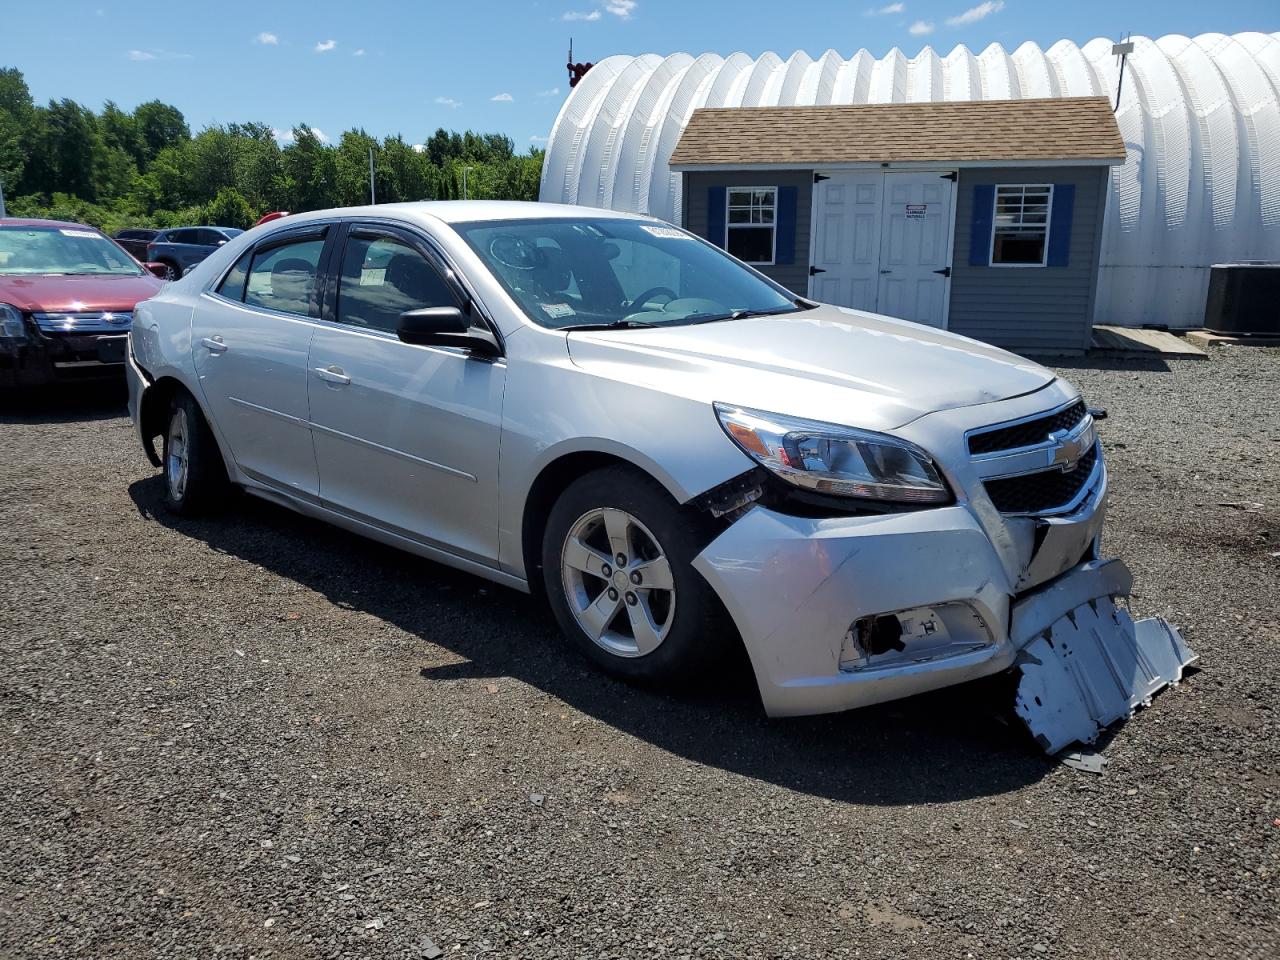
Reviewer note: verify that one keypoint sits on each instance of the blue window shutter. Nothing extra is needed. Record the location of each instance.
(716, 199)
(785, 242)
(984, 201)
(1064, 201)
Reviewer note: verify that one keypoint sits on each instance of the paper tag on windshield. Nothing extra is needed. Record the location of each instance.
(78, 233)
(668, 233)
(557, 310)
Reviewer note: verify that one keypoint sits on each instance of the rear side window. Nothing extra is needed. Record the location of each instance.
(232, 285)
(382, 278)
(284, 278)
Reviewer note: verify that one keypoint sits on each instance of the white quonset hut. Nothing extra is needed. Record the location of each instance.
(1200, 120)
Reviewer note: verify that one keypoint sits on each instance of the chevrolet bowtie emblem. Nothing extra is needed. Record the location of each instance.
(1067, 451)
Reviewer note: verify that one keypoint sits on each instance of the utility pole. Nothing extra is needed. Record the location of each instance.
(373, 193)
(1121, 50)
(464, 181)
(1, 198)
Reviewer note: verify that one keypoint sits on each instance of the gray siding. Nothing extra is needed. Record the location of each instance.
(1030, 309)
(793, 276)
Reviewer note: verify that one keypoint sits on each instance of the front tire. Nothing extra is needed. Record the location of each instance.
(617, 560)
(195, 478)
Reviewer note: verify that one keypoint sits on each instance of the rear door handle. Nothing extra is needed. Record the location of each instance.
(333, 374)
(214, 344)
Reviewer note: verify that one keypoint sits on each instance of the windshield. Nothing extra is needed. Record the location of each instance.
(65, 251)
(569, 274)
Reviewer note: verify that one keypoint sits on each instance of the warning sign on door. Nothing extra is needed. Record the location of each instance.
(916, 211)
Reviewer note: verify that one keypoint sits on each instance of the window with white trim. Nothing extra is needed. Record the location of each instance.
(1020, 237)
(751, 223)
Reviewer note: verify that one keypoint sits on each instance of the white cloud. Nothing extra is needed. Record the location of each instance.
(581, 15)
(418, 147)
(502, 98)
(157, 55)
(537, 139)
(620, 8)
(359, 53)
(320, 135)
(920, 28)
(286, 136)
(449, 102)
(887, 10)
(266, 39)
(324, 46)
(553, 92)
(974, 14)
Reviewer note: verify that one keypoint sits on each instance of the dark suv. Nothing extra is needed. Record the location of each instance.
(183, 247)
(135, 240)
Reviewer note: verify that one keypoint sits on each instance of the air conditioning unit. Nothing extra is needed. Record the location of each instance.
(1244, 298)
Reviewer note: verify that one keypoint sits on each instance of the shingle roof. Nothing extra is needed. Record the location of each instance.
(1064, 128)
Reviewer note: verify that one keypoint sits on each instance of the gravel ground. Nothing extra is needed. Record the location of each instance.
(259, 737)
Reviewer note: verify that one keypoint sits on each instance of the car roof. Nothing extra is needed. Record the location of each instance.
(464, 211)
(34, 222)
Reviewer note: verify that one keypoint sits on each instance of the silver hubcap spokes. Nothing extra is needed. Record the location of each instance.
(618, 582)
(176, 462)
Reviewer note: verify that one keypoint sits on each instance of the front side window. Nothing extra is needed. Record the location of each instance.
(569, 273)
(750, 232)
(62, 251)
(284, 278)
(1021, 234)
(383, 278)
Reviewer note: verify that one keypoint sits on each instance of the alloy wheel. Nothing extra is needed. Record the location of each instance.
(176, 459)
(618, 583)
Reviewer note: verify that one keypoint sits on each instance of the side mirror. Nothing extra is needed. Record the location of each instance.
(445, 327)
(157, 270)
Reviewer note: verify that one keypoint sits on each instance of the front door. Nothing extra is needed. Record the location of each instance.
(882, 242)
(406, 437)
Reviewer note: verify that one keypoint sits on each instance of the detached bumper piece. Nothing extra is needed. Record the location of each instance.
(1084, 662)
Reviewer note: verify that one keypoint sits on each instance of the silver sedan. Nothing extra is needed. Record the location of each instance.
(681, 455)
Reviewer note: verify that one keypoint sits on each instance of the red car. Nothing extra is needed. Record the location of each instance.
(67, 294)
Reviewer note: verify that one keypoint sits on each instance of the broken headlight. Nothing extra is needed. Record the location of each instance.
(834, 460)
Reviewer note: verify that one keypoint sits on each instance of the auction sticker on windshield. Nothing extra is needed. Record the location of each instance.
(668, 233)
(89, 234)
(556, 310)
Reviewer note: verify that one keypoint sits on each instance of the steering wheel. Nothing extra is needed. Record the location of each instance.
(513, 251)
(644, 298)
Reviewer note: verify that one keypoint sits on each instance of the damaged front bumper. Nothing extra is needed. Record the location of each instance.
(843, 612)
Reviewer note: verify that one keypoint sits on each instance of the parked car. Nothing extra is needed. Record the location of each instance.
(678, 452)
(183, 247)
(67, 295)
(135, 240)
(270, 217)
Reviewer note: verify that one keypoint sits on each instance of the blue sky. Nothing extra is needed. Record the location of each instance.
(494, 65)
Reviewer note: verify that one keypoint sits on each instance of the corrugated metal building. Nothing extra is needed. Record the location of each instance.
(1199, 118)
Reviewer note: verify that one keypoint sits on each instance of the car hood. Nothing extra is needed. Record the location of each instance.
(828, 363)
(57, 294)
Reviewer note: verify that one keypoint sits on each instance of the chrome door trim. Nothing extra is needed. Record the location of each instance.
(287, 418)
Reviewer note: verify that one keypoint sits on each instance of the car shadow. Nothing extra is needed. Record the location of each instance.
(950, 745)
(66, 403)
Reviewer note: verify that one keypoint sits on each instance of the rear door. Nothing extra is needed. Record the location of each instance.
(916, 248)
(250, 339)
(406, 437)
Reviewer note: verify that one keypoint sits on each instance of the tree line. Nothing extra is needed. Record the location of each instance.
(145, 168)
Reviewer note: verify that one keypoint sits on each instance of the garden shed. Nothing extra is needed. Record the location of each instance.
(981, 217)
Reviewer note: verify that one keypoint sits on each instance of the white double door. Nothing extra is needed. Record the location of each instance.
(882, 241)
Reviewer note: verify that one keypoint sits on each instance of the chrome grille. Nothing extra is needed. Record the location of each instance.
(97, 321)
(1028, 433)
(1046, 491)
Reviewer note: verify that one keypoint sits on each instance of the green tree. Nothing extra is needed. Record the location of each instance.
(230, 209)
(160, 126)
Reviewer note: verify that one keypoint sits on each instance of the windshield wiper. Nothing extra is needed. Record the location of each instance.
(612, 325)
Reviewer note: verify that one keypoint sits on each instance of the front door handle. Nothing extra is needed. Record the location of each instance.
(333, 374)
(214, 345)
(886, 271)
